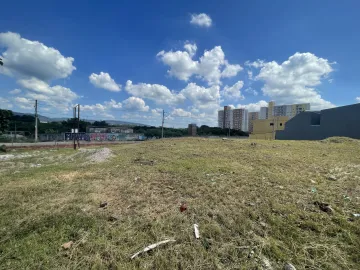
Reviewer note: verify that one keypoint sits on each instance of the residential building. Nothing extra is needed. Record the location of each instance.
(192, 130)
(225, 118)
(318, 125)
(240, 119)
(266, 129)
(263, 113)
(282, 110)
(252, 116)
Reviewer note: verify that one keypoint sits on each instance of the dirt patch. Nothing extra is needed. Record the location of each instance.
(98, 155)
(339, 140)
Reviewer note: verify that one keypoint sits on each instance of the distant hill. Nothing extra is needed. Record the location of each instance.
(45, 119)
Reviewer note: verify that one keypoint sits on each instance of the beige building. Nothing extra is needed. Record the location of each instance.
(265, 129)
(252, 116)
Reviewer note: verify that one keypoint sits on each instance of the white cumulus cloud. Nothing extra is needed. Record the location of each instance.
(253, 107)
(104, 109)
(294, 80)
(24, 103)
(357, 99)
(190, 48)
(26, 58)
(135, 104)
(55, 96)
(180, 113)
(202, 20)
(234, 90)
(211, 66)
(104, 80)
(155, 92)
(199, 95)
(15, 92)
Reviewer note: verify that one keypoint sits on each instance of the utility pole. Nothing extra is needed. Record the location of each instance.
(78, 119)
(162, 124)
(36, 121)
(74, 127)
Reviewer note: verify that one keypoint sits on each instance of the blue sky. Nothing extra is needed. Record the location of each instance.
(128, 60)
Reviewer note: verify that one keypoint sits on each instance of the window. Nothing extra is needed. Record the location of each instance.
(271, 124)
(281, 124)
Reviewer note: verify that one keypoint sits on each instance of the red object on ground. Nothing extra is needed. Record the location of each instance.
(183, 207)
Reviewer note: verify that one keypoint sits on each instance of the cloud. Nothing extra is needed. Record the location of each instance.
(253, 107)
(26, 58)
(156, 92)
(256, 64)
(103, 109)
(357, 99)
(199, 95)
(234, 91)
(250, 75)
(180, 113)
(251, 91)
(97, 110)
(56, 96)
(211, 66)
(230, 70)
(135, 104)
(103, 80)
(15, 92)
(5, 103)
(190, 48)
(202, 20)
(24, 103)
(156, 112)
(294, 80)
(181, 64)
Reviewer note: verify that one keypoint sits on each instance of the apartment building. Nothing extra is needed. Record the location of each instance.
(192, 129)
(282, 110)
(252, 117)
(240, 119)
(225, 118)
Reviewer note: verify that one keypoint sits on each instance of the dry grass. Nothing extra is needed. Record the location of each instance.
(245, 199)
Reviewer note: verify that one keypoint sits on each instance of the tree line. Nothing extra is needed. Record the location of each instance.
(25, 124)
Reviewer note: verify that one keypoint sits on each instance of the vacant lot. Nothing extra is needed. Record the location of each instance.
(257, 206)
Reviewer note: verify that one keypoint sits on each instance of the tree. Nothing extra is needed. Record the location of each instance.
(5, 116)
(100, 124)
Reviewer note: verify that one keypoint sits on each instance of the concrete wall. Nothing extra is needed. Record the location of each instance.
(269, 125)
(342, 121)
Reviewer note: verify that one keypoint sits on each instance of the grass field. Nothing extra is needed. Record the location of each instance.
(254, 205)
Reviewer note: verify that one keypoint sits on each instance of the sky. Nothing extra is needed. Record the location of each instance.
(130, 60)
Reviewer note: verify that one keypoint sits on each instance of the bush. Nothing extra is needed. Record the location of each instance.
(3, 148)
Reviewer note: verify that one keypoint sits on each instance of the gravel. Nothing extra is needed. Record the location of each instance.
(10, 156)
